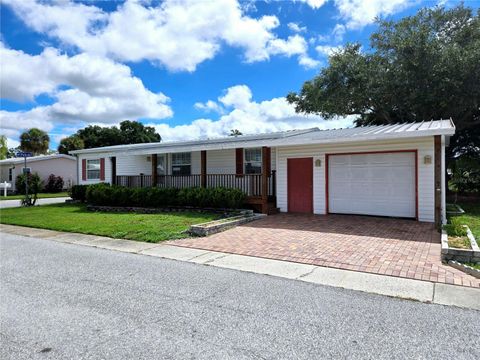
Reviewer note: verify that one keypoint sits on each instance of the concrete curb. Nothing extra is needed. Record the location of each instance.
(411, 289)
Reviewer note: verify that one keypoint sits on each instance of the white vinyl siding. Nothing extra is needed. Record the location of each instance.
(425, 171)
(221, 161)
(133, 165)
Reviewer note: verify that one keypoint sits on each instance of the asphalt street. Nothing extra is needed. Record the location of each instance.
(64, 301)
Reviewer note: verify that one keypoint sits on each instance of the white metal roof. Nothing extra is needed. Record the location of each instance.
(288, 138)
(20, 160)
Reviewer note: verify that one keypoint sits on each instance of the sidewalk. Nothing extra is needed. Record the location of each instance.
(423, 291)
(4, 204)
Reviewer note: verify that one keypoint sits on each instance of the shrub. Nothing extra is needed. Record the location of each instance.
(54, 184)
(211, 197)
(100, 194)
(107, 195)
(455, 228)
(78, 192)
(34, 183)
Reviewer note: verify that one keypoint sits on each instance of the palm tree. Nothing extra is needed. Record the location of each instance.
(35, 141)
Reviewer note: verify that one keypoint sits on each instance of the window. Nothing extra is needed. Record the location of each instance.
(253, 161)
(161, 168)
(181, 163)
(26, 170)
(10, 174)
(93, 169)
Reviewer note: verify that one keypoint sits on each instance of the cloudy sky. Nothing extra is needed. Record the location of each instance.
(192, 69)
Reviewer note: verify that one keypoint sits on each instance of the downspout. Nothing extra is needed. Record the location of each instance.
(78, 162)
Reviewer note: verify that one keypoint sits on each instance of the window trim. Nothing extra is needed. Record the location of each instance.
(87, 170)
(189, 164)
(260, 162)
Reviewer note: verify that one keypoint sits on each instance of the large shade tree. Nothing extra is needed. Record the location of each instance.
(70, 143)
(129, 132)
(35, 141)
(418, 68)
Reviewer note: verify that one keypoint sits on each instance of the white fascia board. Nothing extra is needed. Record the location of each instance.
(304, 139)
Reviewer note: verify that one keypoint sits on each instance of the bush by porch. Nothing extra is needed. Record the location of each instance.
(107, 195)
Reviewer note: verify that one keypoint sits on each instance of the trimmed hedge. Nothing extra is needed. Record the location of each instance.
(108, 195)
(78, 192)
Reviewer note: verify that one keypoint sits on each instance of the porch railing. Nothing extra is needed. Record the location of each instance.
(250, 184)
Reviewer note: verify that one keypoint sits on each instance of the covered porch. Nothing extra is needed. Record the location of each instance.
(257, 181)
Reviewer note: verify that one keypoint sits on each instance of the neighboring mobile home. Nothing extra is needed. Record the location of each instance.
(388, 170)
(44, 165)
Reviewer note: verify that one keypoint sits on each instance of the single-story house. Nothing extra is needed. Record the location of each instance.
(388, 170)
(57, 164)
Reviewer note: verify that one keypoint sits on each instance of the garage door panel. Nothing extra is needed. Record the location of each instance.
(372, 184)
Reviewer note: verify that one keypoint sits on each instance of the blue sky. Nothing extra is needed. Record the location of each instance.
(192, 70)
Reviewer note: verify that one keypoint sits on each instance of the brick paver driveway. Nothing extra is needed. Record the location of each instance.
(403, 248)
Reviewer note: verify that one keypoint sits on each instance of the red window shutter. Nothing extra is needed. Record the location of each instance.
(102, 169)
(84, 169)
(239, 161)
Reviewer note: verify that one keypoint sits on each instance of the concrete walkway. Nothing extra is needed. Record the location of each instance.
(16, 203)
(423, 291)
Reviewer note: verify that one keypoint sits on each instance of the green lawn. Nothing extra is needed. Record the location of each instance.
(471, 218)
(40, 196)
(75, 218)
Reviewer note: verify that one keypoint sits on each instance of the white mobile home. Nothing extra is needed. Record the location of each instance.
(389, 170)
(44, 165)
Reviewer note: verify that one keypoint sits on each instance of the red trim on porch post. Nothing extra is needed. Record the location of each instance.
(102, 169)
(84, 169)
(203, 168)
(239, 161)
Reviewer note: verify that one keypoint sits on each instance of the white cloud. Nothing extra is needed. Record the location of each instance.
(249, 117)
(176, 34)
(338, 32)
(296, 27)
(238, 96)
(359, 13)
(308, 63)
(314, 4)
(327, 50)
(294, 45)
(84, 88)
(12, 143)
(209, 106)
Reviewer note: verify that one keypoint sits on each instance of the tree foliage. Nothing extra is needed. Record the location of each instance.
(235, 132)
(70, 143)
(465, 176)
(419, 68)
(3, 147)
(129, 132)
(35, 141)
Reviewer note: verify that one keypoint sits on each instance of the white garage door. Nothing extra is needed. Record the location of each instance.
(372, 184)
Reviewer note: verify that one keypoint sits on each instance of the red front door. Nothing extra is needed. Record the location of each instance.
(300, 185)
